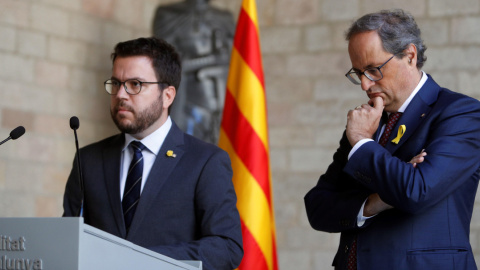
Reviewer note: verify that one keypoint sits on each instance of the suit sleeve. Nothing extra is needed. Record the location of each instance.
(220, 242)
(333, 204)
(453, 151)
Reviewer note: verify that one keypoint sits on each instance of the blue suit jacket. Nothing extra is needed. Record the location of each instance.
(430, 224)
(187, 209)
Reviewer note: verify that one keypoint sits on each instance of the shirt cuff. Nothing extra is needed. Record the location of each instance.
(358, 145)
(360, 218)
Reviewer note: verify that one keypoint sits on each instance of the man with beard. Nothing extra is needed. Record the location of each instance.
(153, 184)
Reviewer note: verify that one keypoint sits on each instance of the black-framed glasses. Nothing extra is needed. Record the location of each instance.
(373, 74)
(132, 86)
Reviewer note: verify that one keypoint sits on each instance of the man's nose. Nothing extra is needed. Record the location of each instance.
(122, 92)
(366, 83)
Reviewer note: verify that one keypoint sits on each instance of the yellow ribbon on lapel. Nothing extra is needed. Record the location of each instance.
(170, 153)
(401, 131)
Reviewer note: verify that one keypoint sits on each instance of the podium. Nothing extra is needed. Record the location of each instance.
(69, 244)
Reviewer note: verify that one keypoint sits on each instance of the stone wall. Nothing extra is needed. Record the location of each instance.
(54, 57)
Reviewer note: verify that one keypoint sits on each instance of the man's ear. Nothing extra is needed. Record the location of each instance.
(169, 94)
(411, 54)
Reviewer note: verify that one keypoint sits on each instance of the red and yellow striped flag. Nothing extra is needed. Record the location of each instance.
(244, 135)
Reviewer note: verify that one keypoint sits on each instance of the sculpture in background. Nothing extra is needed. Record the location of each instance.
(203, 35)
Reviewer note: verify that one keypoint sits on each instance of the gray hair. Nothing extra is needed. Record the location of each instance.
(396, 28)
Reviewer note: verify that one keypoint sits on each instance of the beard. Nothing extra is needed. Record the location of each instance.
(142, 119)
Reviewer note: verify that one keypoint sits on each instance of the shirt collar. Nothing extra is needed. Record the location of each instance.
(415, 91)
(154, 141)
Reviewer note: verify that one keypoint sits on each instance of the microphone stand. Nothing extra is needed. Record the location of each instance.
(79, 164)
(75, 124)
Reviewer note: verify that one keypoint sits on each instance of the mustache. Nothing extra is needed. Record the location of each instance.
(123, 106)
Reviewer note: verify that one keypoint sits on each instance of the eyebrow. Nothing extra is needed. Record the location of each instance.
(134, 78)
(366, 67)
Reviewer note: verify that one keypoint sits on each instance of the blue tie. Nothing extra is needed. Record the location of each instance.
(131, 195)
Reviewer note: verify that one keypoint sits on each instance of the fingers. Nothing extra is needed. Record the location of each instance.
(362, 122)
(363, 106)
(418, 158)
(377, 103)
(350, 112)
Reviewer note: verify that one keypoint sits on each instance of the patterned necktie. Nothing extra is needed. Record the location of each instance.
(131, 195)
(392, 120)
(352, 256)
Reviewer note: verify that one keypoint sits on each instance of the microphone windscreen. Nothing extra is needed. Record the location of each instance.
(17, 132)
(74, 123)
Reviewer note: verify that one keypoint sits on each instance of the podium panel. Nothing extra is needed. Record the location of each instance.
(69, 244)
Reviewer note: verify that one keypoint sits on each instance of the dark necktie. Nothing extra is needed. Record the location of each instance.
(131, 195)
(392, 120)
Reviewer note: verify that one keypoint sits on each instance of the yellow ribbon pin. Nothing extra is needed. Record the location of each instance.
(171, 154)
(401, 131)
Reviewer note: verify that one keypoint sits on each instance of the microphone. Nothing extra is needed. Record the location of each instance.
(15, 134)
(75, 124)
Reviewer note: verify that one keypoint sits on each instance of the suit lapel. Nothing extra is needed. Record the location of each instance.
(159, 174)
(415, 113)
(111, 169)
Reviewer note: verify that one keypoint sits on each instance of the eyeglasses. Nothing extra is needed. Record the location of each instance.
(132, 87)
(373, 74)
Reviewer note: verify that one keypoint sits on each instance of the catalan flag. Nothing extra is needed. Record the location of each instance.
(244, 135)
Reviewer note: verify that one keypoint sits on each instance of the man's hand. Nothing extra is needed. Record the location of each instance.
(418, 158)
(363, 121)
(375, 205)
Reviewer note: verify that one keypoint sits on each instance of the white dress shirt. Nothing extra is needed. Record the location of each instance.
(153, 143)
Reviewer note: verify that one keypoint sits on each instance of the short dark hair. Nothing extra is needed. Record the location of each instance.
(165, 59)
(396, 28)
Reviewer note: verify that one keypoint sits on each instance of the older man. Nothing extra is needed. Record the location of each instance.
(402, 184)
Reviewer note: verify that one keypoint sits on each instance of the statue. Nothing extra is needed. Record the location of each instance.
(203, 35)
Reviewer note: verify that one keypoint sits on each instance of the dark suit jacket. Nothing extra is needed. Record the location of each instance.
(429, 226)
(187, 209)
